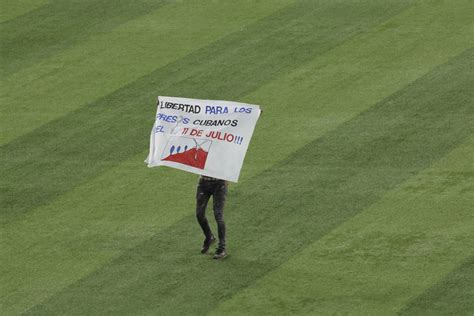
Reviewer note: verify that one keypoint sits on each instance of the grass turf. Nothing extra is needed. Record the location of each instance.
(372, 106)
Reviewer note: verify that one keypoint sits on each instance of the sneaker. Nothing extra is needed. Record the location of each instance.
(207, 244)
(220, 254)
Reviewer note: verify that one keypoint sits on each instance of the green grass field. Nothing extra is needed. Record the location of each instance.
(357, 192)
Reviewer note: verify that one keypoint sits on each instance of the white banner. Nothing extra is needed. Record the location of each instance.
(206, 137)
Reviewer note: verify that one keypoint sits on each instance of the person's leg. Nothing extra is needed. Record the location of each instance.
(219, 197)
(202, 197)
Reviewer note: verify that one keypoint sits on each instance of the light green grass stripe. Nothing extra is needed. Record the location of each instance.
(323, 93)
(376, 262)
(47, 30)
(10, 9)
(332, 109)
(88, 227)
(108, 61)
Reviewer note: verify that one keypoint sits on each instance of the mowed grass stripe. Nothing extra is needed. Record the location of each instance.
(13, 9)
(87, 228)
(278, 213)
(58, 25)
(320, 95)
(385, 256)
(57, 157)
(454, 295)
(114, 212)
(107, 61)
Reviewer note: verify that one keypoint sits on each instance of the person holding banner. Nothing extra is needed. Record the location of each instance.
(205, 137)
(216, 188)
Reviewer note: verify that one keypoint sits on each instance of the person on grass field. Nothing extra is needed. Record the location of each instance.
(208, 186)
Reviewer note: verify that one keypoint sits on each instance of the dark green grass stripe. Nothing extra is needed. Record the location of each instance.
(52, 28)
(60, 155)
(454, 295)
(275, 215)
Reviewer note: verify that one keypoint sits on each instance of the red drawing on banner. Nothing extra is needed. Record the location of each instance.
(187, 151)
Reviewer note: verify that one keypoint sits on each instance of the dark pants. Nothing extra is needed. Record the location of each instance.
(218, 190)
